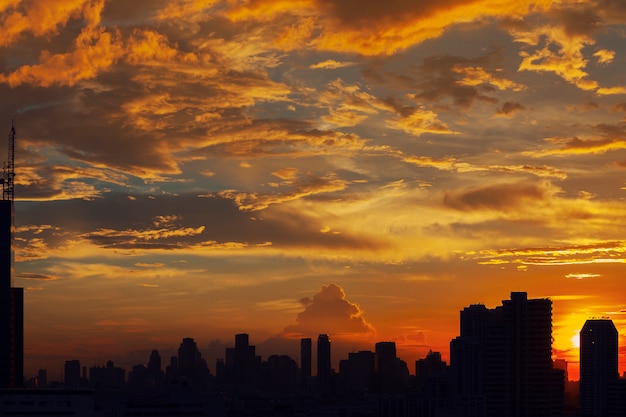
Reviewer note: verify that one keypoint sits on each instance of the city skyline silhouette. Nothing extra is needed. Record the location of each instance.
(360, 169)
(501, 364)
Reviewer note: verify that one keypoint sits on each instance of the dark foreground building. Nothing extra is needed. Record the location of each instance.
(11, 299)
(601, 390)
(501, 364)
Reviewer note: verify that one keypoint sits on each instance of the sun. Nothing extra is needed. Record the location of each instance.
(576, 340)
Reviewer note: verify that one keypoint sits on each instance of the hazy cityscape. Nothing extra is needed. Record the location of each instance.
(312, 208)
(500, 365)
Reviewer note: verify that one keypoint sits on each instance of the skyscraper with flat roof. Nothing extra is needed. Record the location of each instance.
(502, 362)
(323, 365)
(305, 361)
(598, 366)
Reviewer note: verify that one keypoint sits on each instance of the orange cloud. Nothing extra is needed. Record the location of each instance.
(604, 56)
(43, 17)
(375, 28)
(576, 146)
(330, 64)
(474, 76)
(145, 234)
(43, 277)
(600, 253)
(286, 174)
(500, 197)
(94, 50)
(329, 312)
(185, 9)
(311, 186)
(419, 122)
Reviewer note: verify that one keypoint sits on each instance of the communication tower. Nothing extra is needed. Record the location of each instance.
(8, 184)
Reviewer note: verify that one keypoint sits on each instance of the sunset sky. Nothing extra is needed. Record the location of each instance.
(286, 168)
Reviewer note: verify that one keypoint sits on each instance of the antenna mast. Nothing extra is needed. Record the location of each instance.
(8, 186)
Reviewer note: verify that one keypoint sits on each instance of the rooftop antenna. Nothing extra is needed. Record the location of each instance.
(8, 186)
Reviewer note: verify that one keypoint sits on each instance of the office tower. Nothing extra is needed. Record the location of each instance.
(598, 366)
(189, 358)
(11, 299)
(388, 377)
(154, 364)
(71, 376)
(323, 365)
(305, 361)
(154, 369)
(357, 374)
(191, 367)
(504, 357)
(245, 360)
(42, 378)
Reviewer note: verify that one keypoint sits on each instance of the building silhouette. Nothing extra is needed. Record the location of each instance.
(106, 377)
(192, 369)
(324, 371)
(11, 299)
(71, 374)
(357, 375)
(598, 366)
(502, 361)
(305, 361)
(154, 370)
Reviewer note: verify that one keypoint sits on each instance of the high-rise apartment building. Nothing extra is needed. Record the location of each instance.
(598, 366)
(502, 361)
(323, 365)
(305, 361)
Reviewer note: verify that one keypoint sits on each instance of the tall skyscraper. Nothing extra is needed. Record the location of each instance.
(507, 351)
(189, 358)
(598, 366)
(323, 365)
(386, 367)
(305, 361)
(11, 299)
(245, 360)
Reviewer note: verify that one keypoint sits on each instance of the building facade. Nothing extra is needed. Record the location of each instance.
(501, 364)
(323, 365)
(598, 366)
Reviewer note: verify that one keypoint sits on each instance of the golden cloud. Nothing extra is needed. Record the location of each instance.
(576, 146)
(43, 17)
(306, 188)
(330, 312)
(330, 64)
(419, 122)
(150, 234)
(474, 76)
